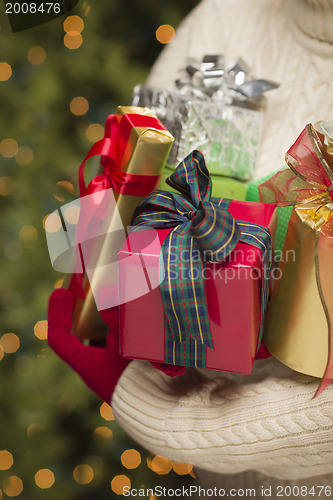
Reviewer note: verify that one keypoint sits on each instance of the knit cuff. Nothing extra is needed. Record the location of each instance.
(265, 422)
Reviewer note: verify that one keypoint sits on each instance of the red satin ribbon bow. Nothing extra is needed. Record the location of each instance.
(115, 151)
(113, 148)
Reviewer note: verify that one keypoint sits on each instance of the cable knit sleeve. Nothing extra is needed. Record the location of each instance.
(200, 33)
(266, 422)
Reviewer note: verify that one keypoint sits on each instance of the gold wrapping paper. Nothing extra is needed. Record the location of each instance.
(296, 330)
(145, 154)
(300, 319)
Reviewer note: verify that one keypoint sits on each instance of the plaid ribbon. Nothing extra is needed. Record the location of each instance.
(203, 230)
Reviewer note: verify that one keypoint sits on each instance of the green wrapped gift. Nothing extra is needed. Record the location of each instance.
(223, 187)
(168, 170)
(283, 213)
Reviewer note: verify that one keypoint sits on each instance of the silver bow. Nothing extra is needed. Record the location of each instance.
(211, 79)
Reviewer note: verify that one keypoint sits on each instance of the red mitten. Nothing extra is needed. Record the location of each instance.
(99, 367)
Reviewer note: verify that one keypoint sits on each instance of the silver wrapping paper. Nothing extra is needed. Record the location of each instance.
(214, 109)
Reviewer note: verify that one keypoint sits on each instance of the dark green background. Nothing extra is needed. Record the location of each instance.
(119, 47)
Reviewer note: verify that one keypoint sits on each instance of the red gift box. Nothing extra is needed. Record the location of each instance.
(232, 290)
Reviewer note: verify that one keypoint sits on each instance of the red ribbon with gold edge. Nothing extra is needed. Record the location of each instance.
(112, 149)
(310, 177)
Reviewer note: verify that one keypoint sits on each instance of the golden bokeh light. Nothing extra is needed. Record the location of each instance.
(83, 474)
(34, 429)
(118, 484)
(2, 352)
(10, 343)
(12, 486)
(24, 155)
(79, 106)
(103, 432)
(36, 55)
(131, 459)
(106, 412)
(8, 147)
(73, 23)
(13, 250)
(6, 460)
(28, 234)
(192, 473)
(62, 186)
(52, 223)
(68, 186)
(58, 284)
(24, 365)
(5, 71)
(181, 469)
(44, 220)
(95, 132)
(71, 214)
(73, 40)
(42, 353)
(40, 329)
(44, 478)
(6, 185)
(165, 33)
(159, 464)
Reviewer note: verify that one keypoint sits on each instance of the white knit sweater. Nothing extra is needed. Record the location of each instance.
(281, 41)
(265, 422)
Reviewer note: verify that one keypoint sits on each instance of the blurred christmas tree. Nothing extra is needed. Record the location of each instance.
(58, 82)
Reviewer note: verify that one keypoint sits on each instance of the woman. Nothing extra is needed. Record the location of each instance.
(262, 430)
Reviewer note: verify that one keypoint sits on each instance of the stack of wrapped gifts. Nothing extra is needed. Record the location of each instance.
(169, 239)
(217, 110)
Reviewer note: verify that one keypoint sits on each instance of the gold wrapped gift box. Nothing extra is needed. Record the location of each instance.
(145, 153)
(298, 324)
(296, 328)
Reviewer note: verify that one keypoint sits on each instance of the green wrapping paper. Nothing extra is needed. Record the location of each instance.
(223, 187)
(168, 170)
(283, 214)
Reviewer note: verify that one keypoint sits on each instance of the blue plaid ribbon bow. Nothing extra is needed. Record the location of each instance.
(203, 230)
